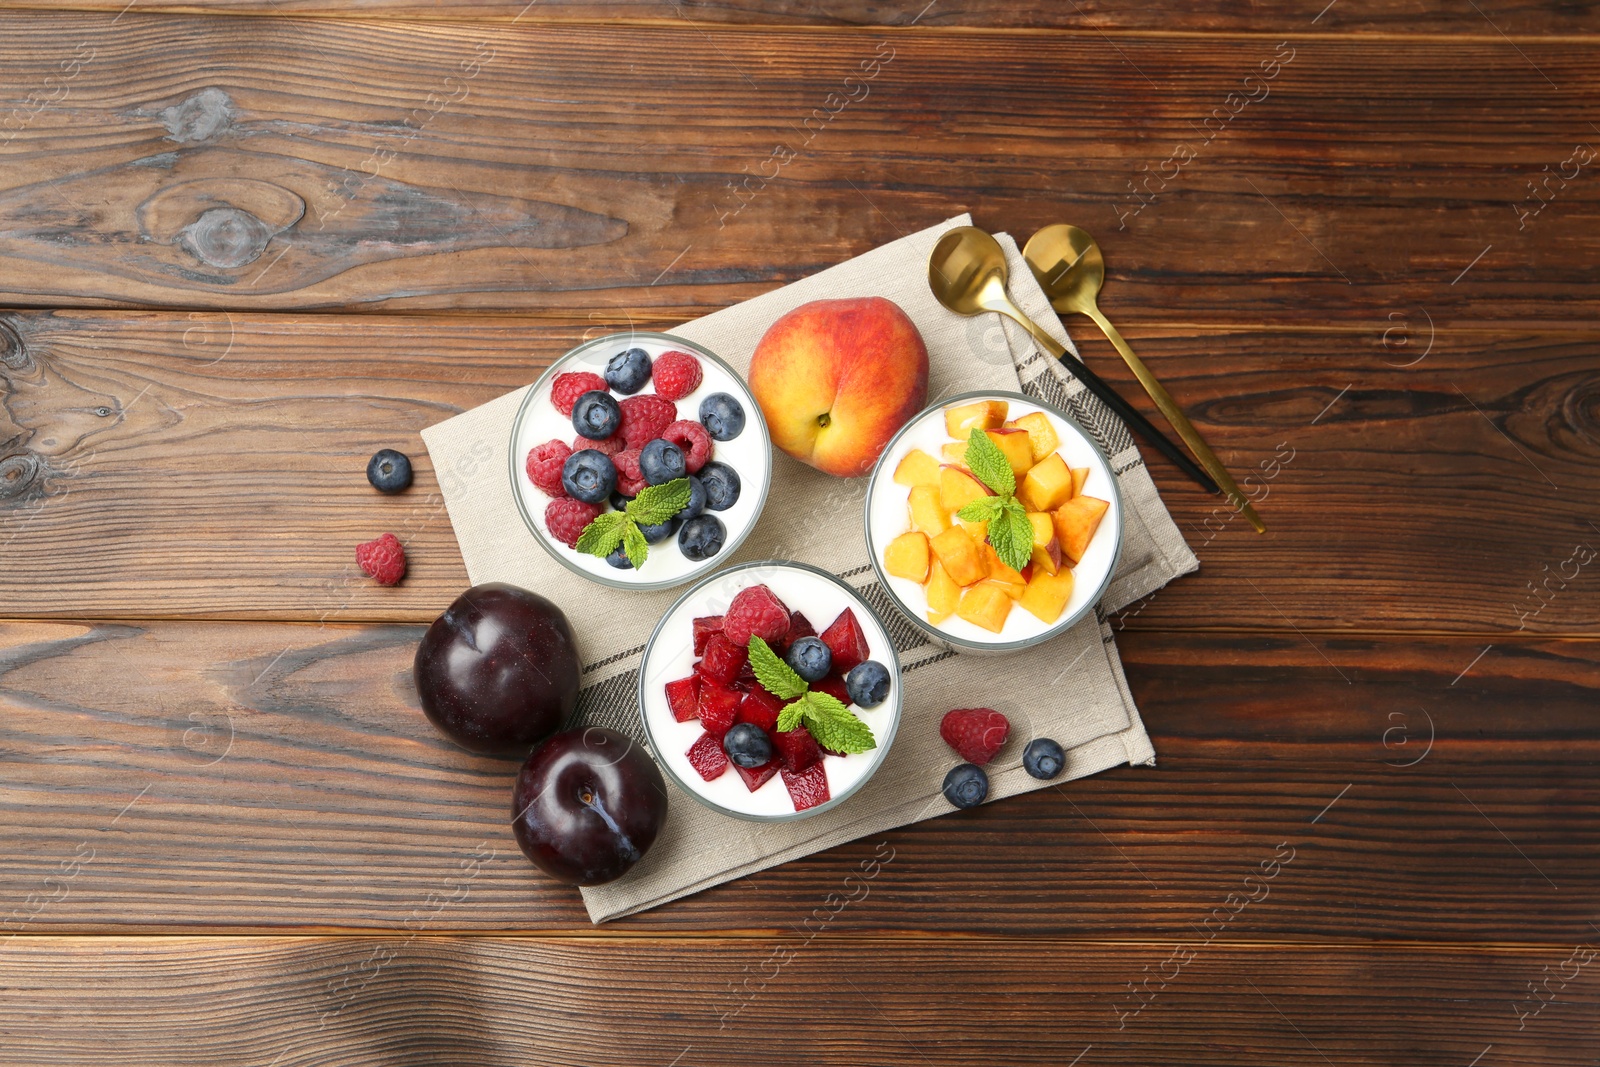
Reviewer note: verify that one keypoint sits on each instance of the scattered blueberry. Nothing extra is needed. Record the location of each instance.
(722, 416)
(701, 538)
(660, 531)
(589, 475)
(661, 461)
(697, 499)
(868, 683)
(747, 745)
(1043, 758)
(619, 559)
(389, 471)
(722, 485)
(628, 371)
(596, 415)
(966, 785)
(619, 501)
(810, 658)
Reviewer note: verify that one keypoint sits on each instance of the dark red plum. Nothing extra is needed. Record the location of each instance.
(587, 805)
(498, 672)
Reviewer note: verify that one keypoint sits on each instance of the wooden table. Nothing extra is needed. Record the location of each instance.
(246, 243)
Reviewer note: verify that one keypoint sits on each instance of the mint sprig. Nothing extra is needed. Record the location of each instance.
(1010, 531)
(829, 719)
(654, 505)
(984, 458)
(775, 676)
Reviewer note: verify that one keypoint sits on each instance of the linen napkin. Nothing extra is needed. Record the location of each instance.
(1071, 689)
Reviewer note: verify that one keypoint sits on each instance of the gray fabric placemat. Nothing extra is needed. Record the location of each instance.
(1072, 689)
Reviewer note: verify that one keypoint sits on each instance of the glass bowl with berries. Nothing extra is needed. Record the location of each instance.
(640, 460)
(994, 521)
(770, 691)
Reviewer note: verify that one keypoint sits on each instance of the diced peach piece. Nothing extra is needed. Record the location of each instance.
(978, 531)
(1075, 523)
(958, 555)
(1079, 476)
(954, 453)
(907, 556)
(1046, 545)
(943, 594)
(1013, 591)
(1047, 594)
(917, 468)
(1013, 444)
(958, 488)
(1042, 437)
(985, 605)
(998, 571)
(927, 513)
(962, 419)
(1048, 484)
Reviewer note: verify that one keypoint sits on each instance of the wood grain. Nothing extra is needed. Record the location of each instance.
(459, 165)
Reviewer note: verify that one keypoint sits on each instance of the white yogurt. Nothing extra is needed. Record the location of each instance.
(670, 656)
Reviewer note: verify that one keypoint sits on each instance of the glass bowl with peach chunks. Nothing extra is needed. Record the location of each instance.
(994, 521)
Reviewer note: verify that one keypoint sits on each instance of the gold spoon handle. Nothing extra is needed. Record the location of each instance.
(1180, 422)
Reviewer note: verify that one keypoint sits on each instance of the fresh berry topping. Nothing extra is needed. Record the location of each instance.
(660, 531)
(566, 518)
(630, 479)
(704, 627)
(596, 415)
(607, 446)
(760, 708)
(383, 560)
(755, 611)
(389, 471)
(966, 786)
(683, 697)
(701, 538)
(618, 558)
(644, 417)
(1043, 758)
(570, 386)
(697, 500)
(707, 758)
(797, 749)
(626, 372)
(722, 416)
(747, 745)
(834, 686)
(661, 461)
(760, 776)
(846, 641)
(544, 466)
(722, 659)
(975, 733)
(718, 706)
(807, 788)
(810, 658)
(799, 626)
(868, 683)
(589, 476)
(692, 439)
(722, 485)
(677, 374)
(619, 499)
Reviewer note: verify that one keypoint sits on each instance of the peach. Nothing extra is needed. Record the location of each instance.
(1014, 445)
(958, 555)
(1075, 523)
(917, 468)
(1042, 436)
(1048, 484)
(927, 514)
(1046, 545)
(943, 594)
(961, 419)
(1047, 594)
(954, 453)
(985, 605)
(958, 488)
(1079, 476)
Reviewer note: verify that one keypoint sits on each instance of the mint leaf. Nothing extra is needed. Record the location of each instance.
(1011, 535)
(985, 459)
(982, 509)
(791, 715)
(603, 534)
(656, 504)
(775, 676)
(634, 544)
(835, 726)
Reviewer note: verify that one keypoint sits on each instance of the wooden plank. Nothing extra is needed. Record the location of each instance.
(248, 777)
(513, 1001)
(448, 165)
(212, 465)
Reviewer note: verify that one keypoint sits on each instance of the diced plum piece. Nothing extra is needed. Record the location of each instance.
(758, 777)
(718, 707)
(834, 686)
(799, 626)
(722, 660)
(704, 627)
(707, 758)
(796, 749)
(683, 697)
(761, 708)
(847, 643)
(807, 788)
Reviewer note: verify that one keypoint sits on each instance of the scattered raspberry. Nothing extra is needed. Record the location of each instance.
(755, 612)
(609, 447)
(629, 478)
(544, 466)
(676, 374)
(384, 560)
(566, 518)
(975, 733)
(570, 386)
(692, 439)
(643, 419)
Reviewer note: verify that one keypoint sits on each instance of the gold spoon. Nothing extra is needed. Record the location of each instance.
(1070, 270)
(967, 273)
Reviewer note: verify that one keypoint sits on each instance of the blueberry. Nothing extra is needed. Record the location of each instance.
(589, 475)
(1043, 758)
(389, 471)
(966, 786)
(619, 559)
(868, 683)
(722, 416)
(697, 499)
(628, 371)
(596, 415)
(661, 461)
(660, 531)
(747, 746)
(701, 538)
(810, 658)
(722, 485)
(619, 501)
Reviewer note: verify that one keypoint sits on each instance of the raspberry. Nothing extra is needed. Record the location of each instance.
(676, 374)
(608, 447)
(570, 386)
(755, 612)
(629, 480)
(692, 439)
(643, 419)
(544, 466)
(975, 733)
(566, 518)
(384, 560)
